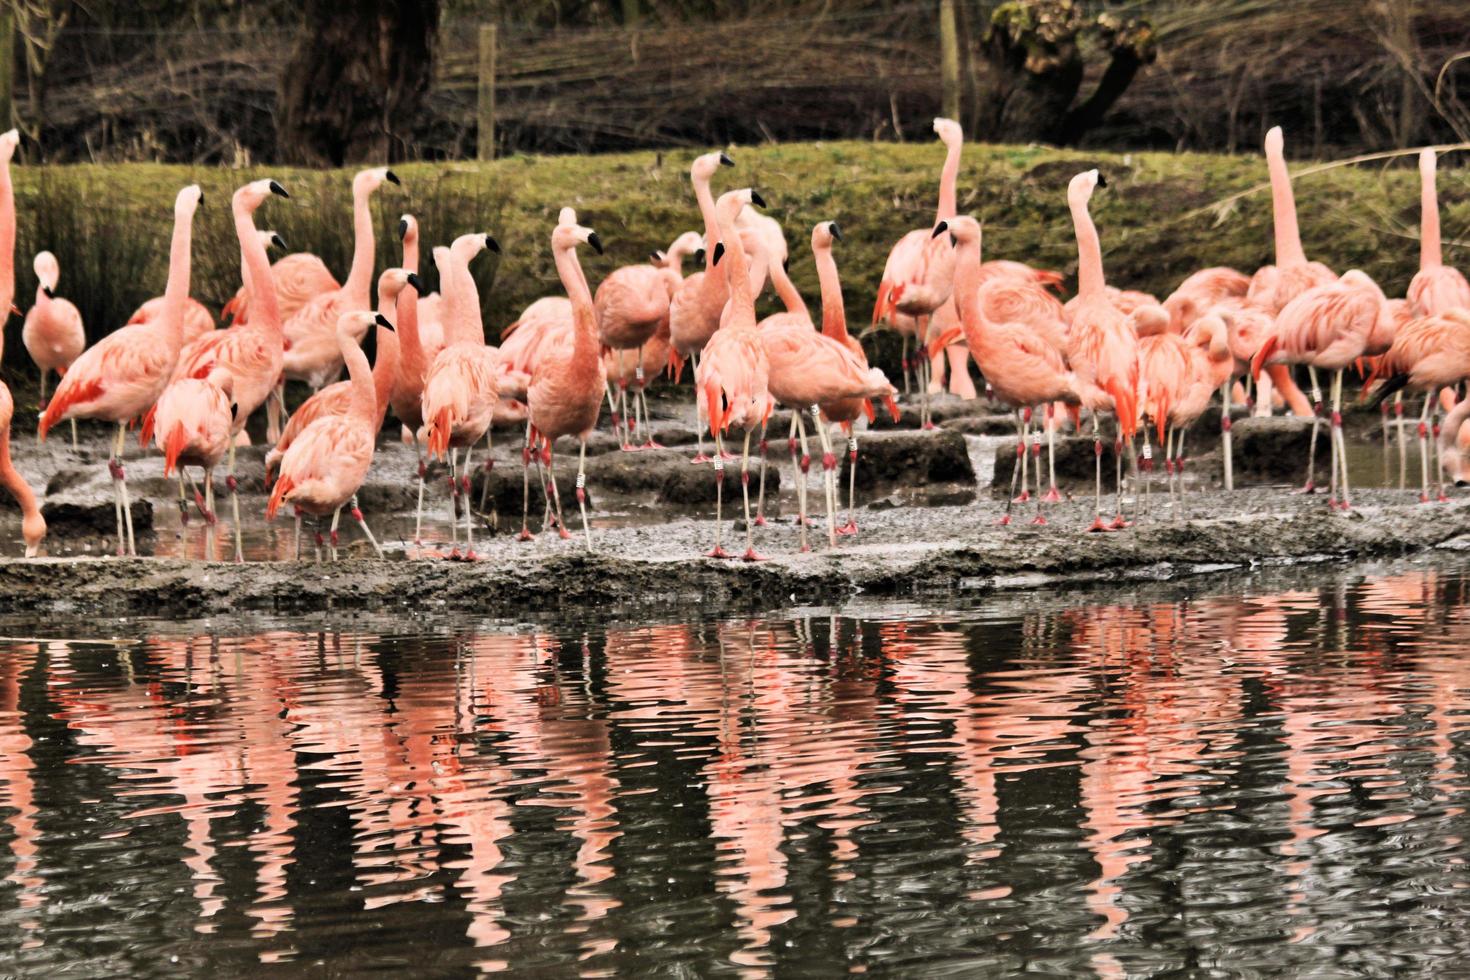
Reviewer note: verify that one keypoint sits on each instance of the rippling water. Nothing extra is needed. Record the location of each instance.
(1262, 773)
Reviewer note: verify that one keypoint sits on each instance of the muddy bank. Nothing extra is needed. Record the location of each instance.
(905, 552)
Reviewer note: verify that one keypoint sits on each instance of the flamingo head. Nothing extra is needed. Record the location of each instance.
(949, 131)
(1275, 142)
(188, 201)
(408, 229)
(730, 203)
(9, 140)
(569, 234)
(371, 179)
(390, 284)
(353, 325)
(220, 377)
(705, 165)
(686, 244)
(253, 194)
(270, 240)
(1079, 190)
(1426, 162)
(466, 247)
(824, 234)
(33, 531)
(962, 228)
(48, 272)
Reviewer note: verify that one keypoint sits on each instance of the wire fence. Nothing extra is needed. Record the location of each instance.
(1347, 75)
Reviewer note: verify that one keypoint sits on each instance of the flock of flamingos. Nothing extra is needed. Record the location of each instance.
(1149, 365)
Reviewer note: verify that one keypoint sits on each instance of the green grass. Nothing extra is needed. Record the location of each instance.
(109, 224)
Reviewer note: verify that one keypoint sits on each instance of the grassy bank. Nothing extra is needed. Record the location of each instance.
(109, 225)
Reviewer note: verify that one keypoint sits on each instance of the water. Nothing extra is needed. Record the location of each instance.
(1259, 773)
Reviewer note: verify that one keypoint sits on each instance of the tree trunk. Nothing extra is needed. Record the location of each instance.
(356, 80)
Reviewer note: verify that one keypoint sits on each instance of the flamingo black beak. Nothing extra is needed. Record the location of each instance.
(201, 200)
(725, 161)
(492, 244)
(278, 242)
(392, 178)
(699, 256)
(383, 322)
(1101, 180)
(50, 294)
(719, 253)
(940, 229)
(278, 189)
(416, 283)
(402, 228)
(757, 200)
(595, 242)
(836, 231)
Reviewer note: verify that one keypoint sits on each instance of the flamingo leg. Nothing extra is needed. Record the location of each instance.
(1311, 484)
(750, 554)
(183, 501)
(418, 514)
(1225, 440)
(1439, 493)
(1118, 522)
(1424, 448)
(1015, 467)
(453, 503)
(1097, 449)
(719, 551)
(699, 455)
(1022, 459)
(582, 491)
(561, 524)
(798, 470)
(829, 474)
(525, 534)
(852, 455)
(1398, 414)
(357, 516)
(199, 500)
(122, 483)
(234, 485)
(469, 512)
(612, 410)
(629, 422)
(642, 382)
(760, 504)
(43, 389)
(1146, 465)
(332, 549)
(1341, 439)
(489, 468)
(1053, 495)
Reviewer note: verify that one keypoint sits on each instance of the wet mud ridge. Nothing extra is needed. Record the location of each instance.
(933, 551)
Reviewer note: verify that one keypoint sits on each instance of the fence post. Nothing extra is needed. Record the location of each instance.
(485, 121)
(7, 68)
(949, 61)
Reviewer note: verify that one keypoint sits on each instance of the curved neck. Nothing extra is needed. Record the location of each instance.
(263, 306)
(42, 304)
(177, 290)
(948, 177)
(11, 479)
(967, 285)
(1089, 250)
(361, 274)
(411, 251)
(786, 289)
(461, 305)
(1449, 433)
(410, 349)
(714, 286)
(834, 315)
(7, 238)
(737, 274)
(584, 317)
(1283, 210)
(364, 403)
(1430, 254)
(384, 371)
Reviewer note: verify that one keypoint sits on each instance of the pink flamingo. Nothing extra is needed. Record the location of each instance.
(1177, 377)
(632, 311)
(193, 427)
(1023, 366)
(808, 369)
(197, 319)
(843, 411)
(1275, 286)
(1325, 327)
(313, 354)
(1201, 291)
(461, 388)
(122, 375)
(1428, 353)
(299, 278)
(420, 339)
(732, 380)
(1101, 347)
(1454, 444)
(324, 468)
(53, 334)
(567, 383)
(336, 398)
(695, 308)
(251, 353)
(917, 278)
(1436, 287)
(32, 524)
(9, 140)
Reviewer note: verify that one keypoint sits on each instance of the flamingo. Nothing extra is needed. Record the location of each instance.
(1024, 367)
(917, 278)
(336, 398)
(32, 524)
(9, 140)
(1202, 291)
(313, 353)
(732, 380)
(843, 411)
(1454, 444)
(1428, 353)
(122, 375)
(1017, 300)
(694, 309)
(1177, 377)
(192, 427)
(1101, 348)
(1436, 287)
(53, 335)
(197, 319)
(632, 311)
(567, 383)
(1326, 327)
(324, 468)
(460, 390)
(252, 352)
(420, 339)
(809, 369)
(299, 278)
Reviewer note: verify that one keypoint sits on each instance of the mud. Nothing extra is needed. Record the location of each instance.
(924, 530)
